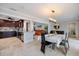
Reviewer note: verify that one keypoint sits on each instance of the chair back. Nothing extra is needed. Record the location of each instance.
(43, 37)
(66, 36)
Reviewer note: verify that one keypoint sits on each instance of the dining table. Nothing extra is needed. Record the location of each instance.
(55, 38)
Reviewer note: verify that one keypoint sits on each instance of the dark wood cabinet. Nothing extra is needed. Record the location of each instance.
(8, 23)
(6, 34)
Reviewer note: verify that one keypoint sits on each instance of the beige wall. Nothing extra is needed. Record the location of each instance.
(78, 29)
(64, 26)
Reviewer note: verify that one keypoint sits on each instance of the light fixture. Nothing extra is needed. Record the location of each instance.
(50, 18)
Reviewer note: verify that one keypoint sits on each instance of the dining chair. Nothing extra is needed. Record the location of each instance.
(65, 43)
(43, 42)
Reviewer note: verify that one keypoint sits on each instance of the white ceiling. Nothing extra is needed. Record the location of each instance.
(63, 11)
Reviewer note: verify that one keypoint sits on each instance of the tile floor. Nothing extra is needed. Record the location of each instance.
(14, 47)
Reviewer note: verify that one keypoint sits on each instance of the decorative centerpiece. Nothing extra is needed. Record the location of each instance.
(56, 26)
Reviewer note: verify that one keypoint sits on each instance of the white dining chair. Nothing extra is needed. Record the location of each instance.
(65, 43)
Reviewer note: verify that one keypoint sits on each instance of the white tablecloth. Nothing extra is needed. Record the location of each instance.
(54, 38)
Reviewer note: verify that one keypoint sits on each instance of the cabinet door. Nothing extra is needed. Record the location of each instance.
(1, 34)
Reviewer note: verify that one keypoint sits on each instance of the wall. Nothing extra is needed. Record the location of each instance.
(78, 29)
(28, 37)
(50, 26)
(64, 26)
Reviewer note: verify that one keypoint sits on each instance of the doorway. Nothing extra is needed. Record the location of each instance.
(72, 30)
